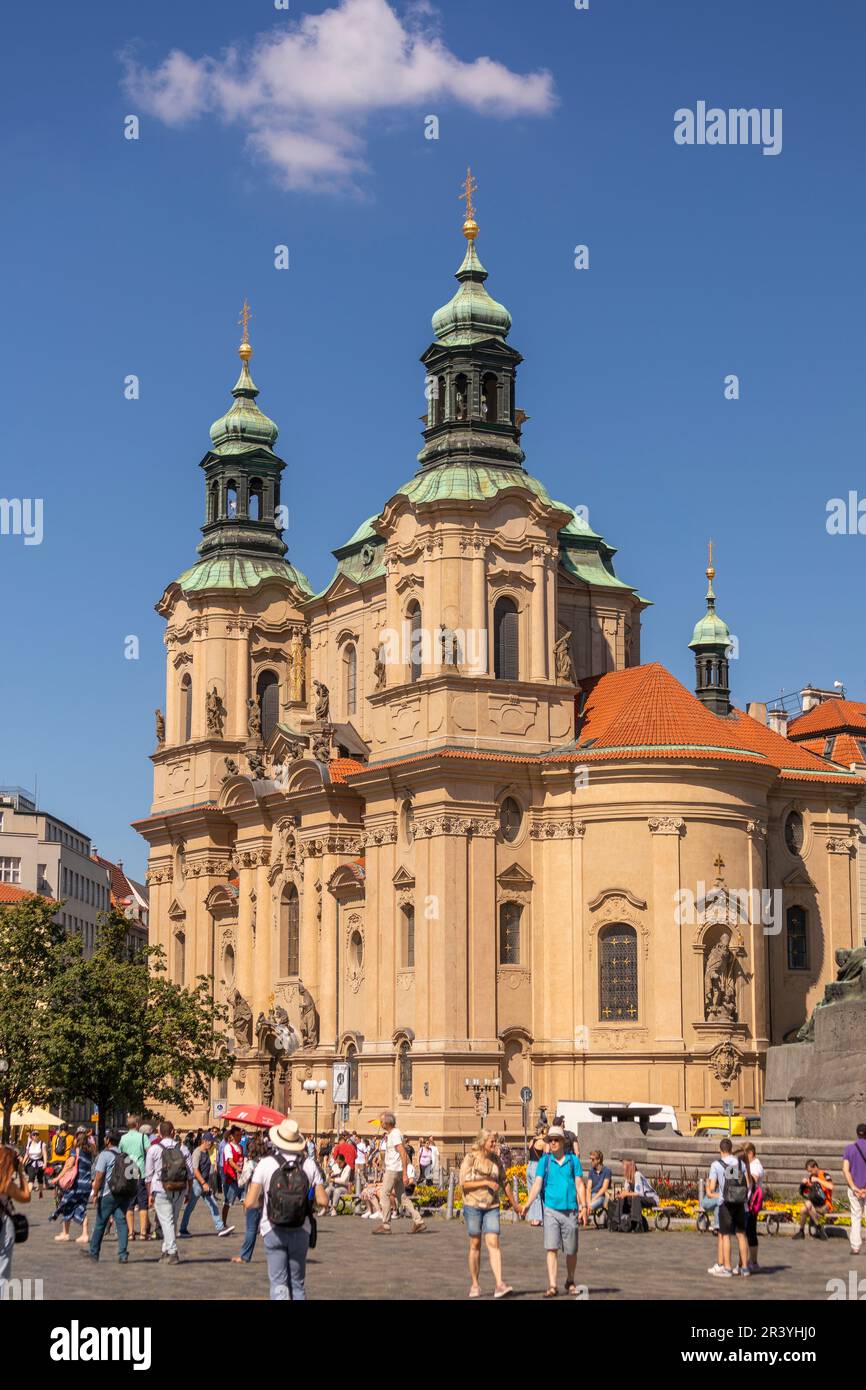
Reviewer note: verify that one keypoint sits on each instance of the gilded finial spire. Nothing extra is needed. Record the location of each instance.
(470, 226)
(710, 572)
(245, 351)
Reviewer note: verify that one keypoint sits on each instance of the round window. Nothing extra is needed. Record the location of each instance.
(510, 819)
(794, 833)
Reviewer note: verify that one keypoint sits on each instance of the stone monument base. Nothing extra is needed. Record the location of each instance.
(818, 1089)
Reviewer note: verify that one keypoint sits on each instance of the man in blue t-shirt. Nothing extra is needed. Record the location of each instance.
(559, 1181)
(599, 1179)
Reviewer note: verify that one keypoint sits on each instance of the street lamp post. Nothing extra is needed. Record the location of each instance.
(315, 1088)
(482, 1089)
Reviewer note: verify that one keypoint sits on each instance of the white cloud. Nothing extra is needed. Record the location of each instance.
(305, 93)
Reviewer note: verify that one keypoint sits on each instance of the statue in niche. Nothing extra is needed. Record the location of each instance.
(449, 646)
(275, 1035)
(309, 1017)
(216, 713)
(254, 720)
(563, 661)
(323, 702)
(242, 1019)
(379, 666)
(296, 666)
(720, 991)
(160, 726)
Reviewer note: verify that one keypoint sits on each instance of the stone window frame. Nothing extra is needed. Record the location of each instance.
(618, 907)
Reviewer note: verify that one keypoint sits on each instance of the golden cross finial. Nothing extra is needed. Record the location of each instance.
(470, 226)
(244, 321)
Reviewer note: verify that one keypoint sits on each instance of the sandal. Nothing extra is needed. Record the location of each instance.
(475, 1293)
(504, 1291)
(551, 1292)
(571, 1288)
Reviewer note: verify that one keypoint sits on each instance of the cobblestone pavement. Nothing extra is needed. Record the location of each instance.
(349, 1263)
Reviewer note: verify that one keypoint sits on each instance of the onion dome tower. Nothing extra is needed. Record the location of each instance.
(242, 474)
(471, 371)
(711, 643)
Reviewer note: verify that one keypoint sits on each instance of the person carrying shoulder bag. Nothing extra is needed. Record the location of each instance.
(13, 1226)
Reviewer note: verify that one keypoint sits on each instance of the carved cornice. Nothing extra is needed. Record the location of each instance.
(757, 829)
(557, 829)
(318, 845)
(455, 825)
(251, 858)
(845, 844)
(607, 893)
(666, 825)
(209, 865)
(381, 835)
(183, 658)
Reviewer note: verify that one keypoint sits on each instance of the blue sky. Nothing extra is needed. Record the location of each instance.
(134, 257)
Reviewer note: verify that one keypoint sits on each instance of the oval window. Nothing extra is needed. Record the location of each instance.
(794, 833)
(510, 819)
(356, 949)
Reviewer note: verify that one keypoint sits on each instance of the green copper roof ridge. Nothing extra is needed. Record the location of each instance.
(254, 571)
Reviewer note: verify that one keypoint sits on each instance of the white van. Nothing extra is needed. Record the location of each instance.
(579, 1112)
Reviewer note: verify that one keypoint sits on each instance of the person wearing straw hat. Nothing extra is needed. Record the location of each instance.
(286, 1184)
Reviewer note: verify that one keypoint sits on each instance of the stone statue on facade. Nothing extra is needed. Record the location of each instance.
(216, 713)
(850, 983)
(379, 667)
(563, 661)
(449, 646)
(321, 744)
(323, 702)
(309, 1017)
(160, 726)
(232, 769)
(720, 992)
(275, 1035)
(242, 1019)
(296, 666)
(254, 720)
(256, 764)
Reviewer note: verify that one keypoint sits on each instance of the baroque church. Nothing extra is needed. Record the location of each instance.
(438, 824)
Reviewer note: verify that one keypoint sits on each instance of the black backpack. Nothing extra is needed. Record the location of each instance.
(124, 1178)
(736, 1184)
(174, 1173)
(288, 1196)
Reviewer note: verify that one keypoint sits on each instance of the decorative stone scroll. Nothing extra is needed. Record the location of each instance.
(666, 825)
(846, 844)
(455, 825)
(726, 1063)
(557, 829)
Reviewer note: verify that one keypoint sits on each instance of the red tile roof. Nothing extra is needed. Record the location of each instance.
(844, 748)
(121, 888)
(341, 768)
(10, 893)
(831, 716)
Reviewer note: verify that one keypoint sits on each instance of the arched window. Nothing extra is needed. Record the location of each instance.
(185, 722)
(179, 958)
(618, 995)
(213, 493)
(255, 502)
(268, 695)
(350, 660)
(509, 933)
(510, 819)
(408, 938)
(461, 397)
(439, 401)
(290, 932)
(416, 639)
(352, 1059)
(797, 938)
(506, 656)
(490, 398)
(404, 1066)
(229, 965)
(231, 498)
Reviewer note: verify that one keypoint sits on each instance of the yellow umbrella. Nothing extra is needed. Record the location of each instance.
(34, 1118)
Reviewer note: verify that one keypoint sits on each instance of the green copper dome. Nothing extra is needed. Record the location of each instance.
(711, 631)
(472, 315)
(243, 426)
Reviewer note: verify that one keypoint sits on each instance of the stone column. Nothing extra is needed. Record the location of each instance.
(263, 966)
(537, 664)
(757, 963)
(482, 932)
(395, 666)
(172, 678)
(663, 988)
(199, 674)
(242, 681)
(478, 618)
(330, 957)
(431, 606)
(244, 967)
(309, 944)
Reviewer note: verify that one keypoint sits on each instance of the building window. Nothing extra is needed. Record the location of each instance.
(794, 833)
(229, 965)
(404, 1065)
(506, 662)
(290, 932)
(510, 819)
(439, 401)
(255, 504)
(509, 933)
(268, 695)
(461, 397)
(798, 939)
(489, 398)
(618, 974)
(413, 614)
(356, 950)
(352, 1059)
(350, 658)
(180, 958)
(10, 870)
(231, 498)
(185, 725)
(408, 933)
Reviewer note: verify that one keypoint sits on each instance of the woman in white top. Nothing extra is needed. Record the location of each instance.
(286, 1246)
(35, 1159)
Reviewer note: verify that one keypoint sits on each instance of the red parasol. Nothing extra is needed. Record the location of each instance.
(260, 1116)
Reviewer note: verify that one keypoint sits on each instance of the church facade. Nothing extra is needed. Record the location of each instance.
(440, 825)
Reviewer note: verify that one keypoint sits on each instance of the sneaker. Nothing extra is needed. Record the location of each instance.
(184, 1235)
(123, 1259)
(382, 1230)
(418, 1227)
(821, 1233)
(801, 1235)
(226, 1231)
(172, 1259)
(719, 1272)
(365, 1216)
(742, 1271)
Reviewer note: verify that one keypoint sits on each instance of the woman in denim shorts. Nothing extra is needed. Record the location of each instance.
(482, 1177)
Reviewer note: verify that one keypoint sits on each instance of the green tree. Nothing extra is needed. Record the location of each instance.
(123, 1035)
(31, 955)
